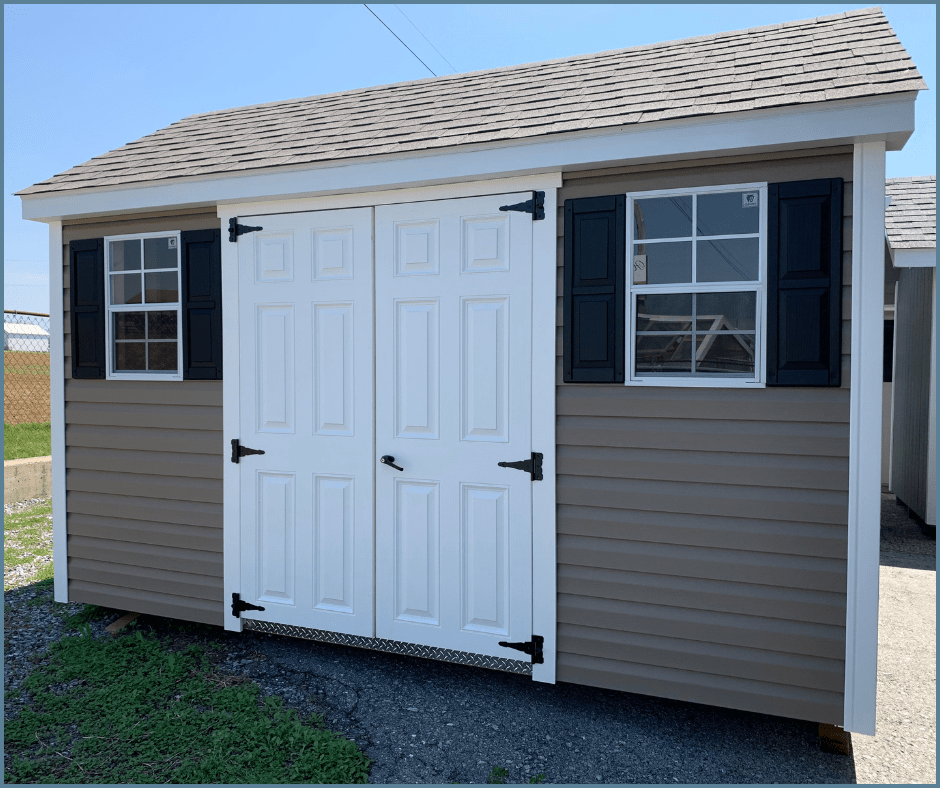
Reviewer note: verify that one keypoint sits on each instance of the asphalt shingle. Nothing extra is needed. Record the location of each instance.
(911, 219)
(848, 55)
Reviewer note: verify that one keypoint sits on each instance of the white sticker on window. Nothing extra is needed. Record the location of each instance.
(171, 243)
(639, 269)
(749, 199)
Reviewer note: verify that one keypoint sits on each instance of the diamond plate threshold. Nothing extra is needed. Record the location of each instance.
(392, 647)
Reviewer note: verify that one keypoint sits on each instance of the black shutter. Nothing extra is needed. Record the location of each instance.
(86, 307)
(804, 310)
(595, 255)
(201, 258)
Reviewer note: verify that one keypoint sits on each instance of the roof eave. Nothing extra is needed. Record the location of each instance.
(887, 117)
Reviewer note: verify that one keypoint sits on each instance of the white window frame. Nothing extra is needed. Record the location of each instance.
(759, 287)
(110, 309)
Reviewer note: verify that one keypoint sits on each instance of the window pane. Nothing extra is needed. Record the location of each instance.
(667, 263)
(162, 356)
(729, 260)
(129, 325)
(161, 325)
(124, 255)
(725, 214)
(662, 217)
(664, 354)
(129, 356)
(161, 288)
(160, 253)
(125, 288)
(725, 354)
(670, 312)
(726, 311)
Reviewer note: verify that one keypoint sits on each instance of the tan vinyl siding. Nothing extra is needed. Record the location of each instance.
(912, 387)
(702, 532)
(144, 476)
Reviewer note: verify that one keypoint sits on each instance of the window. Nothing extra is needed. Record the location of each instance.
(696, 297)
(142, 293)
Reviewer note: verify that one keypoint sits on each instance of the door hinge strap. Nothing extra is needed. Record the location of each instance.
(235, 229)
(535, 206)
(532, 466)
(242, 451)
(239, 605)
(532, 647)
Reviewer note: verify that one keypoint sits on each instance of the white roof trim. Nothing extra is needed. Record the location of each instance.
(914, 258)
(889, 118)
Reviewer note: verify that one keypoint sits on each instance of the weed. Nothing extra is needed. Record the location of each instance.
(27, 544)
(86, 615)
(497, 776)
(94, 697)
(537, 779)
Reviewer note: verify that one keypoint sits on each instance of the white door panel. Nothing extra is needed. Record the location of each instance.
(453, 372)
(306, 389)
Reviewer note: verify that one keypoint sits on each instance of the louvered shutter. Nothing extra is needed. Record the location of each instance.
(804, 310)
(87, 308)
(594, 281)
(202, 304)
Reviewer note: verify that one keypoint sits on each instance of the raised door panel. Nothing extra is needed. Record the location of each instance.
(417, 375)
(276, 537)
(484, 565)
(333, 558)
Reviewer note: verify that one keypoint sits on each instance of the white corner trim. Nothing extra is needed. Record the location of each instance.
(930, 514)
(544, 567)
(865, 423)
(827, 123)
(914, 258)
(231, 477)
(57, 412)
(448, 191)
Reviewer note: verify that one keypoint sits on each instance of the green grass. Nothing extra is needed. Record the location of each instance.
(26, 440)
(127, 709)
(27, 536)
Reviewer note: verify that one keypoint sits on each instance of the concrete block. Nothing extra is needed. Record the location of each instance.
(27, 478)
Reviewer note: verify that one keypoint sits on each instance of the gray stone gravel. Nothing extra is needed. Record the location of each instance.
(431, 722)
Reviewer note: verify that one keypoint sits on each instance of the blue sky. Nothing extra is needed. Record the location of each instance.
(80, 80)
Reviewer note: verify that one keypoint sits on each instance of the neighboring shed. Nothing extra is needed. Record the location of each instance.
(26, 337)
(683, 241)
(911, 232)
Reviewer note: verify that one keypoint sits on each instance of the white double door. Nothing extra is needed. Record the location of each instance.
(421, 353)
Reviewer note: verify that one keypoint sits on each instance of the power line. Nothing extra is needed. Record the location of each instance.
(402, 42)
(426, 39)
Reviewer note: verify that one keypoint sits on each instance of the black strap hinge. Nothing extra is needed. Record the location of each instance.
(235, 229)
(532, 466)
(239, 605)
(532, 648)
(535, 206)
(242, 451)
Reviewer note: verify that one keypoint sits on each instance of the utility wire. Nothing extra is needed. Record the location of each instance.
(402, 42)
(426, 39)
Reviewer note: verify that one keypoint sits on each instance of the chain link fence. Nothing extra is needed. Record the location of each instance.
(25, 367)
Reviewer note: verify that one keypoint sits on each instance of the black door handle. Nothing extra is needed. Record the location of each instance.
(388, 459)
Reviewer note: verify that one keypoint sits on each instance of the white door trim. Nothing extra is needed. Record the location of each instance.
(861, 623)
(544, 311)
(448, 191)
(544, 264)
(231, 415)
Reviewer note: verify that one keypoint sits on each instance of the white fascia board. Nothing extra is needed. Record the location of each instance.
(914, 258)
(60, 586)
(889, 119)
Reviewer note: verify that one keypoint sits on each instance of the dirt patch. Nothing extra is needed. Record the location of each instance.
(25, 387)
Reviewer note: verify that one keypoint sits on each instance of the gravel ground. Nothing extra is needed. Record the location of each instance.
(904, 748)
(431, 722)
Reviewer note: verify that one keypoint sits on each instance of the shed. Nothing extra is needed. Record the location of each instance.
(571, 369)
(26, 337)
(911, 235)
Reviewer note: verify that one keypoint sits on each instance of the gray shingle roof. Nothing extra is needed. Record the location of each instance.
(911, 219)
(846, 55)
